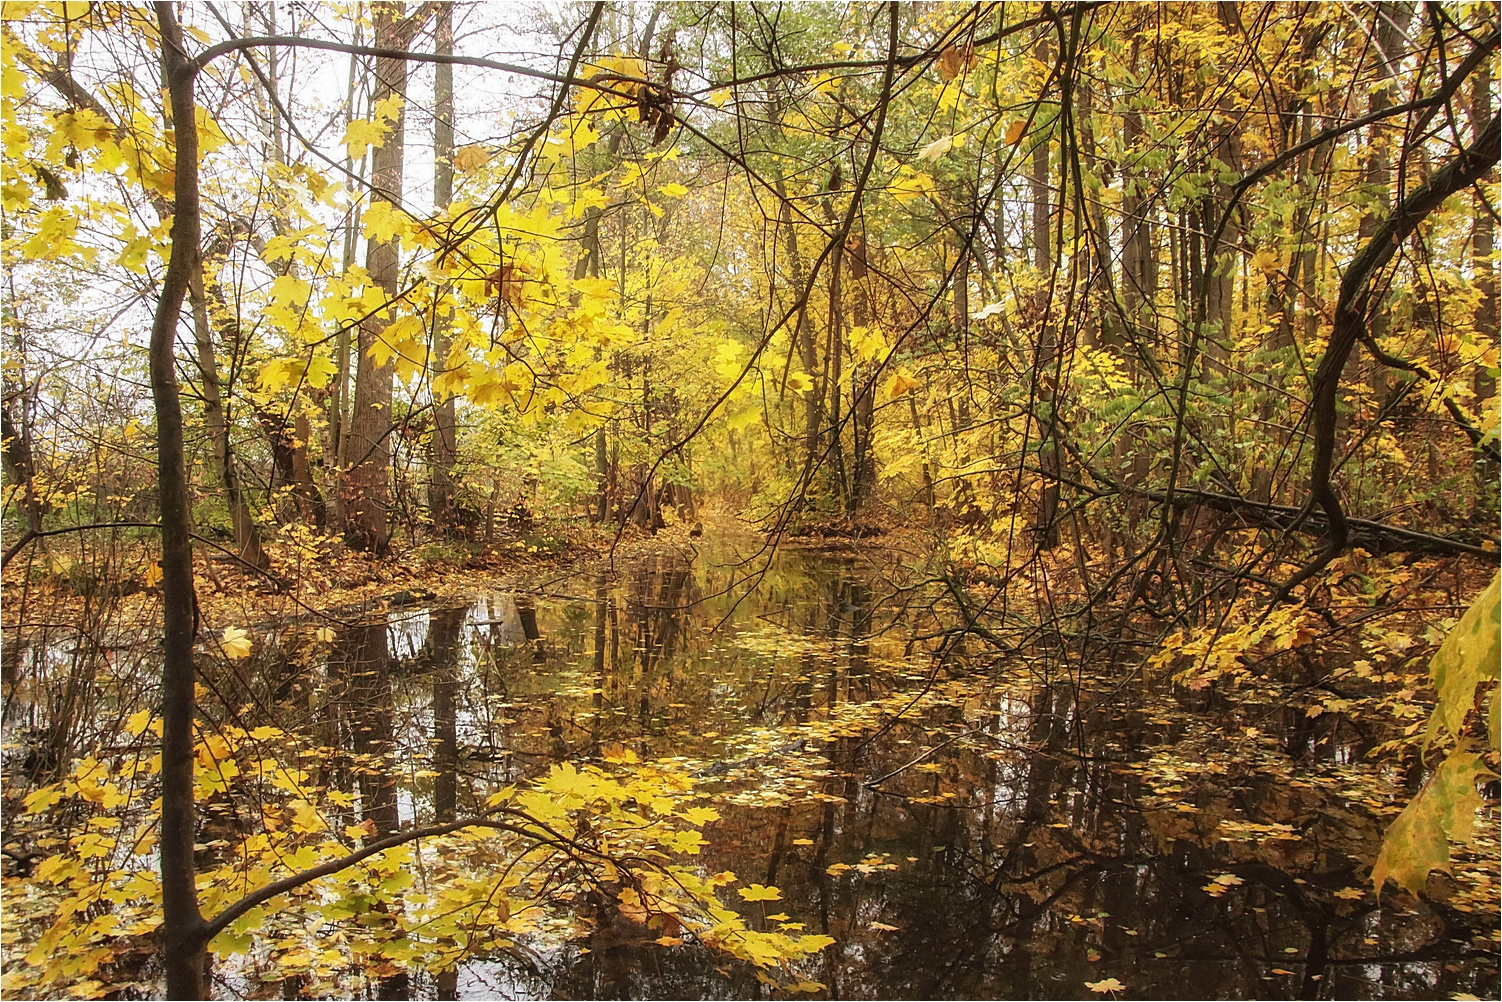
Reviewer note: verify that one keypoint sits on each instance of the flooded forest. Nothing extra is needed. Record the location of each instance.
(853, 500)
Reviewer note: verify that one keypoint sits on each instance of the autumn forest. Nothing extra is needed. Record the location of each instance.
(749, 500)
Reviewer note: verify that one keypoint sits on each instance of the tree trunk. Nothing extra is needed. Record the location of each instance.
(336, 453)
(445, 445)
(863, 388)
(247, 534)
(1047, 348)
(183, 940)
(19, 465)
(1483, 238)
(1391, 24)
(803, 337)
(365, 487)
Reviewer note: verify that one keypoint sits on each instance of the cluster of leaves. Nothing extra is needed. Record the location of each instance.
(1464, 671)
(623, 838)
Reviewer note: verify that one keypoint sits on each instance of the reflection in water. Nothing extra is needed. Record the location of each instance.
(959, 835)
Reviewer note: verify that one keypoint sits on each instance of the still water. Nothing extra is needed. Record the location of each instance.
(962, 827)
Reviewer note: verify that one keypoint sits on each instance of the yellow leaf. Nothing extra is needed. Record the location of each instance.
(939, 147)
(899, 384)
(910, 185)
(1468, 657)
(290, 291)
(700, 815)
(470, 158)
(383, 222)
(274, 375)
(673, 190)
(1014, 132)
(1107, 985)
(38, 801)
(390, 108)
(210, 136)
(1443, 812)
(153, 577)
(757, 892)
(362, 134)
(236, 643)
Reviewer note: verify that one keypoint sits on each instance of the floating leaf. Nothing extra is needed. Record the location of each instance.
(1103, 986)
(236, 643)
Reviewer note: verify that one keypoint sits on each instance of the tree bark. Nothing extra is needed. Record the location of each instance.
(365, 486)
(1483, 239)
(1047, 347)
(1392, 22)
(803, 337)
(445, 445)
(247, 533)
(183, 942)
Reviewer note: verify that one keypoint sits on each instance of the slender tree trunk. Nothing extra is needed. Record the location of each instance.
(247, 533)
(19, 461)
(1047, 348)
(445, 445)
(803, 337)
(1391, 24)
(1483, 238)
(366, 488)
(337, 454)
(863, 390)
(182, 924)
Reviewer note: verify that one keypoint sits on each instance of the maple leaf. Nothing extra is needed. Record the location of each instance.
(899, 384)
(153, 573)
(758, 892)
(566, 781)
(390, 107)
(236, 643)
(290, 291)
(470, 158)
(1469, 656)
(1444, 811)
(383, 222)
(910, 185)
(700, 815)
(362, 134)
(1105, 985)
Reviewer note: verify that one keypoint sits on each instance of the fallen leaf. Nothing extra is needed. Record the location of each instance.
(236, 643)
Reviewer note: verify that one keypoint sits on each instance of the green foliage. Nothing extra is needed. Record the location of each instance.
(1444, 812)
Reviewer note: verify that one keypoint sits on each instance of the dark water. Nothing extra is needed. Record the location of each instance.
(971, 829)
(1012, 834)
